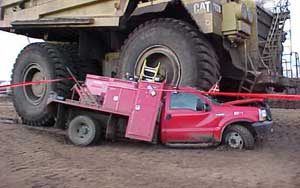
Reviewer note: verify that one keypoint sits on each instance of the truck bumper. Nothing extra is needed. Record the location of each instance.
(263, 129)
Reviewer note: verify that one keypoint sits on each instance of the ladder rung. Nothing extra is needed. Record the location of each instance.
(267, 57)
(150, 77)
(149, 80)
(267, 61)
(246, 89)
(150, 70)
(271, 47)
(250, 81)
(269, 54)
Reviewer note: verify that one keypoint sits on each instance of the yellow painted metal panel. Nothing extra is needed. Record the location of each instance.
(4, 3)
(105, 11)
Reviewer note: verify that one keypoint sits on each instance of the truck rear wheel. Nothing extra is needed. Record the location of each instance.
(185, 56)
(238, 137)
(39, 61)
(83, 131)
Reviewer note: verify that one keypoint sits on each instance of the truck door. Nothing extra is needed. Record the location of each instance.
(142, 121)
(183, 121)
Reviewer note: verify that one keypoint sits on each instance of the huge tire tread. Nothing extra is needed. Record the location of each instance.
(62, 88)
(202, 48)
(83, 67)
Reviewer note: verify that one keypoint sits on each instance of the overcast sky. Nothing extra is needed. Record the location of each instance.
(11, 45)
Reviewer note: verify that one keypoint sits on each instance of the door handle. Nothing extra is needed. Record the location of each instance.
(168, 117)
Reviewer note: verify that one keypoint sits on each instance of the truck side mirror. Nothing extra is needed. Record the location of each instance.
(202, 106)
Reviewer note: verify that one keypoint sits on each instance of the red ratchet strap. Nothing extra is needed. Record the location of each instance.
(232, 94)
(224, 94)
(254, 95)
(33, 83)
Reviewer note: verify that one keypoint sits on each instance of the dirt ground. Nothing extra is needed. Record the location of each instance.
(31, 158)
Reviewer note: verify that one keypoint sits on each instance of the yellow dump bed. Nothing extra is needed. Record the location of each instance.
(62, 13)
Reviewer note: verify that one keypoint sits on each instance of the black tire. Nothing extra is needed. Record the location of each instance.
(83, 67)
(40, 61)
(236, 133)
(84, 131)
(188, 57)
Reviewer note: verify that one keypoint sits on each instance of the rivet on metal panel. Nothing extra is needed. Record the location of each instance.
(116, 98)
(137, 107)
(151, 90)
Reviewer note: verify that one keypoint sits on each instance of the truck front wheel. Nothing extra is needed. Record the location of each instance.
(238, 137)
(39, 61)
(185, 56)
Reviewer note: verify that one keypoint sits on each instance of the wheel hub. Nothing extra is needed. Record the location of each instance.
(83, 131)
(235, 140)
(169, 70)
(34, 93)
(38, 89)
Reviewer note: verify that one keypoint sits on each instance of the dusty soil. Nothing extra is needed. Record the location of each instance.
(31, 158)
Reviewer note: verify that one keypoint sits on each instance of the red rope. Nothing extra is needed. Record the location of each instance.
(225, 94)
(33, 83)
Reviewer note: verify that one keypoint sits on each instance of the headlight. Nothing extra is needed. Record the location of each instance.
(262, 115)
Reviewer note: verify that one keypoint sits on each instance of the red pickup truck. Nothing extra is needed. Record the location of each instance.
(108, 108)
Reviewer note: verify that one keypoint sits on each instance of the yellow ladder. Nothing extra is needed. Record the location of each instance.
(149, 73)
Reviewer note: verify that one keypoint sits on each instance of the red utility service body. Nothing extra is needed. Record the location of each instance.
(150, 106)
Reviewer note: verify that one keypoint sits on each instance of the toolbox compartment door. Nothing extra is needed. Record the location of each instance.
(143, 119)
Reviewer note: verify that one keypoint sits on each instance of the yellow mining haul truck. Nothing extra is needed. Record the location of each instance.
(182, 42)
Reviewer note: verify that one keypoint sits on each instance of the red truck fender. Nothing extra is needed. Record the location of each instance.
(224, 125)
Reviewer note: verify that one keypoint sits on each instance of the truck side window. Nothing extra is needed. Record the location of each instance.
(184, 101)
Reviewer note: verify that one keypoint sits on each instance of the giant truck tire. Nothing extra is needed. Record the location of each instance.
(40, 61)
(186, 57)
(83, 67)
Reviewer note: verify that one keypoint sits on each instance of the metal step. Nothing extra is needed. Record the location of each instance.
(250, 81)
(276, 30)
(146, 70)
(246, 89)
(152, 70)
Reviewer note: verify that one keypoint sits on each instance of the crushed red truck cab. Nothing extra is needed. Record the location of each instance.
(148, 111)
